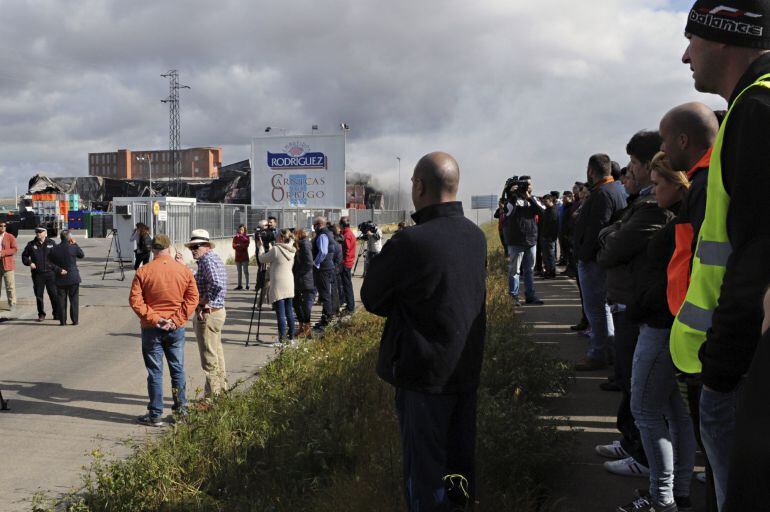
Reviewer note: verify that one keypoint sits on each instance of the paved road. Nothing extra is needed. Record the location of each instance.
(585, 485)
(77, 388)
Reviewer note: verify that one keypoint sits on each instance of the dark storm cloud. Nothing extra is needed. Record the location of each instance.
(505, 85)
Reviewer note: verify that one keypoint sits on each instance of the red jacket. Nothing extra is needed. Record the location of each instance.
(241, 244)
(7, 251)
(350, 248)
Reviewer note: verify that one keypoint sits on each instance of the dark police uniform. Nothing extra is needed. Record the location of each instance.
(37, 252)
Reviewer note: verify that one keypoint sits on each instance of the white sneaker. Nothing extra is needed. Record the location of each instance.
(701, 476)
(612, 451)
(626, 467)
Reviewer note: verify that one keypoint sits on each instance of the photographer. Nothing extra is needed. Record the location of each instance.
(266, 232)
(371, 233)
(520, 232)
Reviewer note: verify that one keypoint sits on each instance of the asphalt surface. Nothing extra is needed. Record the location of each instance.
(75, 389)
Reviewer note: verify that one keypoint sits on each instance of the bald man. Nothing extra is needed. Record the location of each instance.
(433, 298)
(688, 132)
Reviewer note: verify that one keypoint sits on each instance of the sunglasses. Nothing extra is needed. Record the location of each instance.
(195, 247)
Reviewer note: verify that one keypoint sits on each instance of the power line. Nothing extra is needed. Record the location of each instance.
(174, 129)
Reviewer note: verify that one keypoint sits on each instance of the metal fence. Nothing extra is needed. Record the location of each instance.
(222, 220)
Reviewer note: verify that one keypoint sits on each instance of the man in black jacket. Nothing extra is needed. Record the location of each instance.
(549, 232)
(431, 350)
(323, 272)
(35, 256)
(599, 210)
(727, 62)
(63, 259)
(623, 246)
(520, 231)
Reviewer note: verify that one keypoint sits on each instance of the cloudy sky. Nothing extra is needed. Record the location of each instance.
(507, 86)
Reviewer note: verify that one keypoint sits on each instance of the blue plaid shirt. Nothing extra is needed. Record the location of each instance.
(211, 278)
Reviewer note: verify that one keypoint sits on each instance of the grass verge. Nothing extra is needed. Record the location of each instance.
(317, 431)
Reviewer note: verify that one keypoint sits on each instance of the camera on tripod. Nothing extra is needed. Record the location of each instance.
(365, 228)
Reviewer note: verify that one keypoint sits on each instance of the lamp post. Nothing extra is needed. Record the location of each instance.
(146, 158)
(399, 184)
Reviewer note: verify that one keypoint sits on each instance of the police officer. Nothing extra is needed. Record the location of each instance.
(35, 256)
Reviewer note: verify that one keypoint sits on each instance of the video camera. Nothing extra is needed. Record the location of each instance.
(366, 227)
(522, 185)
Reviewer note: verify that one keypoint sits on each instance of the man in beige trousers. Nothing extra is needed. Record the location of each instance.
(210, 314)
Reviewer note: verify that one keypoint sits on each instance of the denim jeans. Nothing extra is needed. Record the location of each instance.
(548, 249)
(243, 267)
(717, 430)
(593, 284)
(285, 311)
(521, 256)
(155, 344)
(626, 334)
(662, 417)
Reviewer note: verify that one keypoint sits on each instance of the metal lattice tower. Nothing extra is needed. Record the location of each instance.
(174, 131)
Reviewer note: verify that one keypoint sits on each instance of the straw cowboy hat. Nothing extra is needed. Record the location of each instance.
(199, 237)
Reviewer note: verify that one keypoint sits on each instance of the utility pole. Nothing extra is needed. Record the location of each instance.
(174, 124)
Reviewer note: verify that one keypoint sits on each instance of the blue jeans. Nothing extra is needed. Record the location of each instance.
(717, 431)
(548, 249)
(243, 268)
(593, 284)
(521, 256)
(155, 344)
(663, 420)
(285, 311)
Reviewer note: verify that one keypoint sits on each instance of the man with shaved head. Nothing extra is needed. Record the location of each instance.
(433, 297)
(688, 132)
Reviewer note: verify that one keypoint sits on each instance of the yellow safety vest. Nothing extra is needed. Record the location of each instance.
(709, 263)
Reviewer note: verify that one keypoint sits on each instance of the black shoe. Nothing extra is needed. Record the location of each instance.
(238, 288)
(580, 326)
(535, 302)
(41, 317)
(247, 287)
(152, 421)
(609, 386)
(645, 504)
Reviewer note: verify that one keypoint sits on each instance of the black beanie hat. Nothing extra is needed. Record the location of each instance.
(737, 23)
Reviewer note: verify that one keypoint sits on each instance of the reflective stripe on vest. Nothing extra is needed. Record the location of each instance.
(709, 263)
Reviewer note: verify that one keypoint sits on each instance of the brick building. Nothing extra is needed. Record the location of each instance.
(124, 164)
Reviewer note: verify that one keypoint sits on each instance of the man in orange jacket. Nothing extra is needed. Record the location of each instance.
(164, 296)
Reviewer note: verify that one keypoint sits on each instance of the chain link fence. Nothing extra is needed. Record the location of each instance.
(222, 220)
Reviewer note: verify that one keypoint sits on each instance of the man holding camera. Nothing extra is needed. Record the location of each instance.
(520, 232)
(370, 232)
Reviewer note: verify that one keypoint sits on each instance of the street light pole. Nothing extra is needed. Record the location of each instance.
(399, 183)
(147, 159)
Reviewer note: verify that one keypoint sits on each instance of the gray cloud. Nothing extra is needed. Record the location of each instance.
(506, 86)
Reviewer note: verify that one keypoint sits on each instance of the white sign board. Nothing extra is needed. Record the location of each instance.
(303, 171)
(162, 215)
(483, 202)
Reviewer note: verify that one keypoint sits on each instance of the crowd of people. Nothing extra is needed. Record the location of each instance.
(671, 258)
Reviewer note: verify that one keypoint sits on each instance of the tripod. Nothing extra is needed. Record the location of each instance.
(3, 402)
(259, 296)
(116, 243)
(361, 252)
